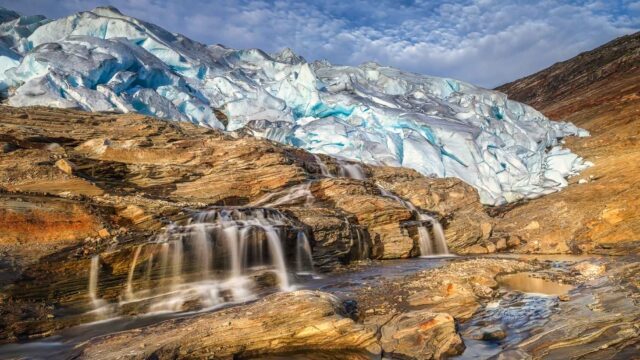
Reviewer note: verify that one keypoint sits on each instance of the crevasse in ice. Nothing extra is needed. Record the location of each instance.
(102, 60)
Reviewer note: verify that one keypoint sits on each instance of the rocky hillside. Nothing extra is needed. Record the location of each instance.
(600, 211)
(75, 184)
(593, 78)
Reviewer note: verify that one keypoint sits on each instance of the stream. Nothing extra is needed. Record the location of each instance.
(526, 304)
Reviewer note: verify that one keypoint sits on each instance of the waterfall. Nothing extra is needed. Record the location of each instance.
(129, 289)
(219, 256)
(275, 248)
(304, 260)
(347, 169)
(440, 241)
(293, 195)
(426, 247)
(351, 170)
(324, 170)
(429, 245)
(93, 279)
(359, 242)
(98, 304)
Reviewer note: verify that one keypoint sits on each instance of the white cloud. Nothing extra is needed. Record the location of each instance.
(487, 42)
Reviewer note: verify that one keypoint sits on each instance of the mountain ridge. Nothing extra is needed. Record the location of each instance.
(548, 90)
(600, 209)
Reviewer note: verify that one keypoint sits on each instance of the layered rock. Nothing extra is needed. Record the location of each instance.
(456, 203)
(417, 314)
(34, 221)
(382, 216)
(420, 335)
(78, 184)
(285, 323)
(141, 167)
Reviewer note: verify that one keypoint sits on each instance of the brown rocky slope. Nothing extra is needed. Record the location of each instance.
(600, 210)
(76, 184)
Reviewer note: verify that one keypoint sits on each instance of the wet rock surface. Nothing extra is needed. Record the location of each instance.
(420, 334)
(146, 170)
(602, 321)
(281, 323)
(494, 321)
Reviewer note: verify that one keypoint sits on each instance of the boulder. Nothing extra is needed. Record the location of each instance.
(493, 333)
(65, 166)
(421, 335)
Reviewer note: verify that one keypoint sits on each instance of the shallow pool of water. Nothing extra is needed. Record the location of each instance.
(528, 283)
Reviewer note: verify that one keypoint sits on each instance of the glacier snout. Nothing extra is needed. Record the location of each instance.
(102, 60)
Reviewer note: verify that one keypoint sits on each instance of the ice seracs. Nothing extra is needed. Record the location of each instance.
(102, 60)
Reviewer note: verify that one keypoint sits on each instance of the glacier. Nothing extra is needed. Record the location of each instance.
(102, 60)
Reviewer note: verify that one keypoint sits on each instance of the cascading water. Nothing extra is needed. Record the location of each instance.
(360, 249)
(218, 257)
(429, 246)
(99, 306)
(93, 280)
(324, 170)
(438, 232)
(351, 170)
(304, 261)
(300, 193)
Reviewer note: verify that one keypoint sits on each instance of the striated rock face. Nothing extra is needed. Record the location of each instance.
(457, 203)
(421, 335)
(45, 220)
(33, 225)
(77, 184)
(301, 321)
(144, 169)
(600, 210)
(382, 216)
(557, 90)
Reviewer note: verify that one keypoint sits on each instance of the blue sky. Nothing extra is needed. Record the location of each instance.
(486, 42)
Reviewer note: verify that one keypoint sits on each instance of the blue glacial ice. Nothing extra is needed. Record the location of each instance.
(102, 60)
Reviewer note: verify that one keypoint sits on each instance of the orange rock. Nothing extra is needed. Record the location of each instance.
(66, 166)
(44, 220)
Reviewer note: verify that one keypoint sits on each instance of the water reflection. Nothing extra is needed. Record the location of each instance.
(526, 282)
